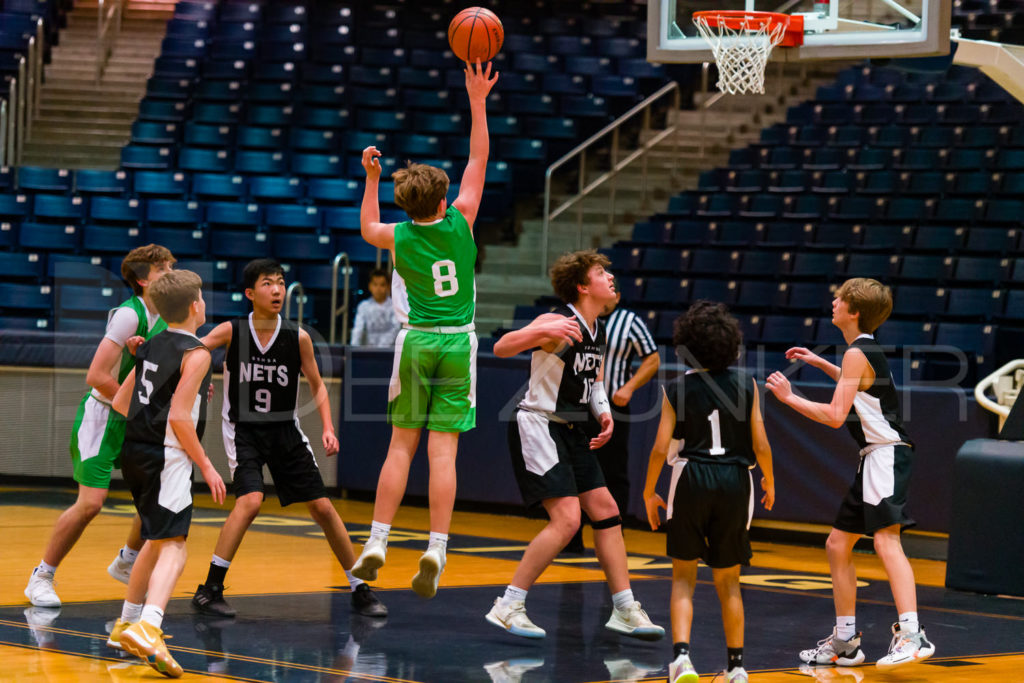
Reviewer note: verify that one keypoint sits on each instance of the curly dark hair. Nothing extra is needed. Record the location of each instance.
(570, 271)
(708, 334)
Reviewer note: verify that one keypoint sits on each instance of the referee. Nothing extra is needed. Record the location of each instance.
(628, 338)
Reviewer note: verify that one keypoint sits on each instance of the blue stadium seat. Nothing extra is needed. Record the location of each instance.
(303, 247)
(992, 240)
(722, 291)
(342, 219)
(907, 209)
(14, 207)
(22, 297)
(36, 179)
(358, 249)
(224, 305)
(216, 113)
(207, 186)
(160, 183)
(182, 242)
(204, 160)
(203, 134)
(239, 244)
(876, 266)
(337, 190)
(274, 93)
(982, 269)
(888, 238)
(878, 182)
(717, 262)
(786, 330)
(765, 264)
(110, 239)
(919, 301)
(218, 273)
(275, 188)
(176, 213)
(146, 158)
(313, 140)
(805, 296)
(115, 210)
(75, 300)
(94, 182)
(322, 165)
(906, 333)
(790, 181)
(975, 304)
(292, 218)
(784, 234)
(927, 268)
(939, 238)
(23, 266)
(970, 338)
(1014, 310)
(168, 88)
(654, 259)
(582, 107)
(523, 149)
(733, 233)
(58, 208)
(665, 290)
(256, 162)
(835, 236)
(272, 115)
(233, 215)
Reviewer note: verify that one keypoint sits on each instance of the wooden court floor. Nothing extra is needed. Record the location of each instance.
(295, 622)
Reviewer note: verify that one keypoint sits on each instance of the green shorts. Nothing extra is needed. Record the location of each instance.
(433, 381)
(96, 441)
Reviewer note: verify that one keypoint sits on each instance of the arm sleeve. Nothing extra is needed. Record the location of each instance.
(122, 324)
(641, 337)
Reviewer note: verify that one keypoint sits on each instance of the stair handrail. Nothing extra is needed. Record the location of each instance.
(300, 296)
(339, 258)
(990, 381)
(3, 132)
(108, 26)
(580, 150)
(13, 125)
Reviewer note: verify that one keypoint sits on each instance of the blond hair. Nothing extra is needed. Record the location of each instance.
(174, 294)
(419, 189)
(870, 298)
(138, 261)
(570, 271)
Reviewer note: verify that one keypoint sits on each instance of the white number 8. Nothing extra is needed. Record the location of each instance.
(445, 277)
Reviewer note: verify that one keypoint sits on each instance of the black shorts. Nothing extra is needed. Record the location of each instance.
(160, 479)
(710, 516)
(551, 459)
(284, 449)
(878, 495)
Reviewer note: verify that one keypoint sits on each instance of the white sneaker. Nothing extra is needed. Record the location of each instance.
(681, 670)
(511, 670)
(371, 559)
(39, 590)
(512, 618)
(431, 565)
(832, 674)
(38, 618)
(120, 568)
(834, 650)
(634, 622)
(628, 671)
(737, 675)
(906, 648)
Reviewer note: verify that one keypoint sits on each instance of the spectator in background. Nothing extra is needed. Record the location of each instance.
(376, 324)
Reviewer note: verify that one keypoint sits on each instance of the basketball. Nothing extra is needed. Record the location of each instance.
(476, 33)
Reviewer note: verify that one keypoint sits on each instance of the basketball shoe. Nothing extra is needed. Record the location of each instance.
(832, 674)
(906, 648)
(210, 600)
(737, 675)
(146, 642)
(114, 639)
(635, 623)
(366, 602)
(681, 670)
(120, 568)
(512, 617)
(371, 559)
(431, 565)
(38, 619)
(40, 589)
(835, 650)
(511, 670)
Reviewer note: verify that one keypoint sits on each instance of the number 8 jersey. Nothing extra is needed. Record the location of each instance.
(712, 417)
(262, 382)
(433, 284)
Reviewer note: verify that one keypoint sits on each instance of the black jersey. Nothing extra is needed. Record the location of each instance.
(157, 373)
(875, 417)
(262, 383)
(713, 417)
(561, 382)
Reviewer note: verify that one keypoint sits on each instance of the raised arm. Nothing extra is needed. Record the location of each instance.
(658, 459)
(547, 331)
(762, 451)
(478, 85)
(380, 235)
(319, 391)
(814, 360)
(855, 369)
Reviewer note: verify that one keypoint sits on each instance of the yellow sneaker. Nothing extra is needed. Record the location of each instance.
(147, 642)
(114, 639)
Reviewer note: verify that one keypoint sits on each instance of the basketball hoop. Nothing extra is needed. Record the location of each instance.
(743, 41)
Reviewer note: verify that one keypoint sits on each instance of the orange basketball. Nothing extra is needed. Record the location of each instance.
(476, 33)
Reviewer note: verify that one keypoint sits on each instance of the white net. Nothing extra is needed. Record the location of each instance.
(741, 50)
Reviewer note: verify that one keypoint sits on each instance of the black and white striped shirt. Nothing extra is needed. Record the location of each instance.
(628, 338)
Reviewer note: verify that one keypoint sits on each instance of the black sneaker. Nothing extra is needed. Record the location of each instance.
(366, 602)
(210, 600)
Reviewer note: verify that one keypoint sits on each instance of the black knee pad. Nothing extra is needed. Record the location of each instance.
(606, 523)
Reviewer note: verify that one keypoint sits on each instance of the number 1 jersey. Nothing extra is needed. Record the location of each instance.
(262, 383)
(712, 417)
(433, 284)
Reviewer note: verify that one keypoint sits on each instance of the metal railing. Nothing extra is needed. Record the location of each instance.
(21, 103)
(300, 297)
(617, 165)
(1005, 383)
(341, 257)
(108, 27)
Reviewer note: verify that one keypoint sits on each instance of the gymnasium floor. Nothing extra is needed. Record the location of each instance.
(295, 623)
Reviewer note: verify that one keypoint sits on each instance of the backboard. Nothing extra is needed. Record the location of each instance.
(832, 29)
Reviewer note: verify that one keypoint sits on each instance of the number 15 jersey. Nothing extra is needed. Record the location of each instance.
(262, 382)
(433, 284)
(713, 417)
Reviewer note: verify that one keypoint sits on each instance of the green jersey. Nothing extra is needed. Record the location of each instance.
(127, 359)
(434, 283)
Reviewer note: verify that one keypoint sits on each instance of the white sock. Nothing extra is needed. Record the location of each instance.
(352, 581)
(623, 599)
(513, 594)
(351, 649)
(380, 530)
(129, 555)
(438, 539)
(909, 623)
(218, 561)
(846, 627)
(130, 612)
(43, 567)
(151, 614)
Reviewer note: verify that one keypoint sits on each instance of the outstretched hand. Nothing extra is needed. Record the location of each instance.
(562, 329)
(371, 163)
(779, 385)
(479, 81)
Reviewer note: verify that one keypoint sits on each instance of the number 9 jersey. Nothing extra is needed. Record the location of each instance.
(712, 417)
(433, 284)
(262, 382)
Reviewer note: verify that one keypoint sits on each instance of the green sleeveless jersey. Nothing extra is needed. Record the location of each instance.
(435, 284)
(127, 359)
